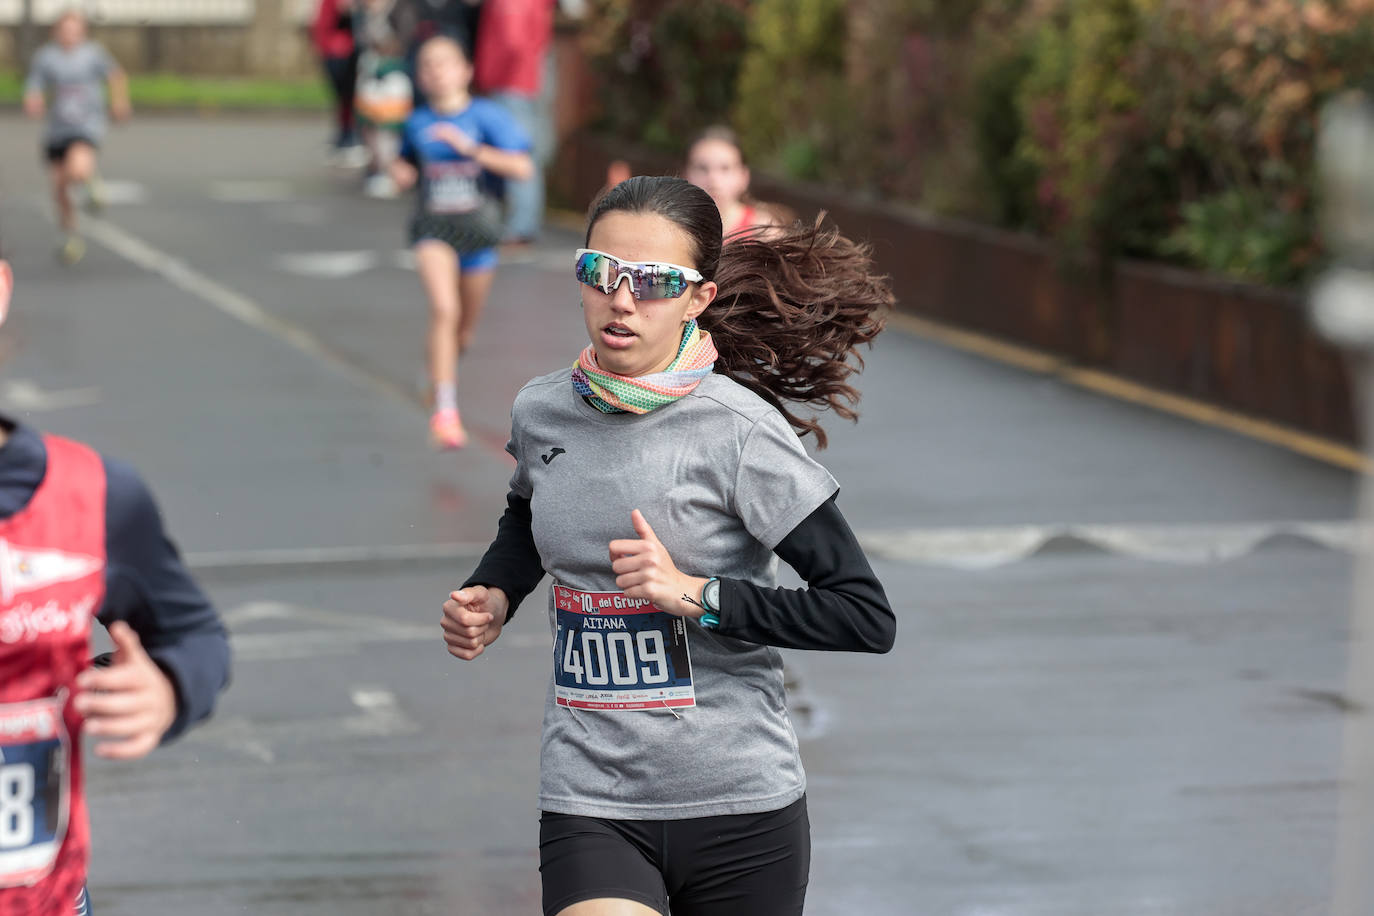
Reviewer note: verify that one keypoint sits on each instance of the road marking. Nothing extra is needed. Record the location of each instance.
(26, 395)
(333, 556)
(1037, 361)
(300, 214)
(235, 305)
(331, 632)
(118, 193)
(240, 307)
(251, 192)
(330, 264)
(960, 548)
(379, 716)
(987, 548)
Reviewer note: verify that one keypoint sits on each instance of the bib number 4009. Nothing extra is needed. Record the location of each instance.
(599, 659)
(17, 786)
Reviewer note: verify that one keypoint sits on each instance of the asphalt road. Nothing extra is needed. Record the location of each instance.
(1116, 687)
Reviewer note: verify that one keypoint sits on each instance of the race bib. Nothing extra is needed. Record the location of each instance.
(452, 187)
(34, 787)
(617, 653)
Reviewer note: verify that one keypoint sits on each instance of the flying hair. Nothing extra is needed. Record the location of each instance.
(792, 309)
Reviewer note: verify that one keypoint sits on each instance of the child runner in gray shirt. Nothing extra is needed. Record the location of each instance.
(67, 80)
(658, 482)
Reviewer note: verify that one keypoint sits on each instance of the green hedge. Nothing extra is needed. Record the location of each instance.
(1180, 130)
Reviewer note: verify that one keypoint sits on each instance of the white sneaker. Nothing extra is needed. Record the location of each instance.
(349, 157)
(379, 186)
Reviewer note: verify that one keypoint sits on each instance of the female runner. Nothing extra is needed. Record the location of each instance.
(457, 148)
(715, 163)
(658, 482)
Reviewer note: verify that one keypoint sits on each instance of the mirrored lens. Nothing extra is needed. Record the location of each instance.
(659, 281)
(647, 281)
(594, 270)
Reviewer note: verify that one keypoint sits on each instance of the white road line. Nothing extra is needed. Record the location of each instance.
(252, 192)
(332, 632)
(961, 548)
(334, 265)
(332, 556)
(235, 305)
(26, 395)
(118, 192)
(380, 715)
(986, 548)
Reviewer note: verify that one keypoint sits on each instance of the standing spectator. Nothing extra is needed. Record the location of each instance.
(421, 20)
(513, 41)
(332, 35)
(67, 79)
(384, 98)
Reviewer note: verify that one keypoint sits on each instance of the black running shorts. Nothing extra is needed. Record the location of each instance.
(56, 151)
(464, 232)
(732, 865)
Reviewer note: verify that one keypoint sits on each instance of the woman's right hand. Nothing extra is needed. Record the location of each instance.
(473, 618)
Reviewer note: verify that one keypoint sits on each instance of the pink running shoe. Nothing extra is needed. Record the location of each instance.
(446, 430)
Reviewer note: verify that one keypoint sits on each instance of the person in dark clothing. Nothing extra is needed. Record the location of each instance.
(81, 538)
(420, 20)
(332, 35)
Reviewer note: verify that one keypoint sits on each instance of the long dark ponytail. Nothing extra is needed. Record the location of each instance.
(793, 308)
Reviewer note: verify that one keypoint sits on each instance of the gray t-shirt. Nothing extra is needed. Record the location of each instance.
(721, 478)
(74, 82)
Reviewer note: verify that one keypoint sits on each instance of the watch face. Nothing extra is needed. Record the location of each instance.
(710, 594)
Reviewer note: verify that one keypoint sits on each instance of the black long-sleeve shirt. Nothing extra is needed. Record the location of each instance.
(843, 608)
(146, 583)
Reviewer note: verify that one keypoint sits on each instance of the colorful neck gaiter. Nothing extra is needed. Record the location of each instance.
(611, 393)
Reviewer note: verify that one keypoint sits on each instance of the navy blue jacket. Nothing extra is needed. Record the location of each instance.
(146, 583)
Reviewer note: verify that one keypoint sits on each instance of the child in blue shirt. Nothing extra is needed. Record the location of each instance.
(457, 149)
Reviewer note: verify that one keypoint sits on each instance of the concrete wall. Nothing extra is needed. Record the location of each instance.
(191, 37)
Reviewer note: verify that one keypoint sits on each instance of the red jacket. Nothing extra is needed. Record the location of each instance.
(512, 38)
(330, 37)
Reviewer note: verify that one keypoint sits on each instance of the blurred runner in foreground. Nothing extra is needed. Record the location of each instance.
(81, 538)
(457, 149)
(67, 79)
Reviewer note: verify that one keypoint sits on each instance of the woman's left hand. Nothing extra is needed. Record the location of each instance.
(643, 569)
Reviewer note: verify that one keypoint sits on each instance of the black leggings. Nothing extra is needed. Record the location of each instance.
(343, 79)
(732, 865)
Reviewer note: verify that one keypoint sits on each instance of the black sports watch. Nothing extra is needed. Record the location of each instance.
(710, 602)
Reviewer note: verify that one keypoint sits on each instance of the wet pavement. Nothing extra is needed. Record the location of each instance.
(1068, 725)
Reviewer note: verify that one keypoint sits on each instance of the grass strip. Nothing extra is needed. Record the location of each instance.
(167, 90)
